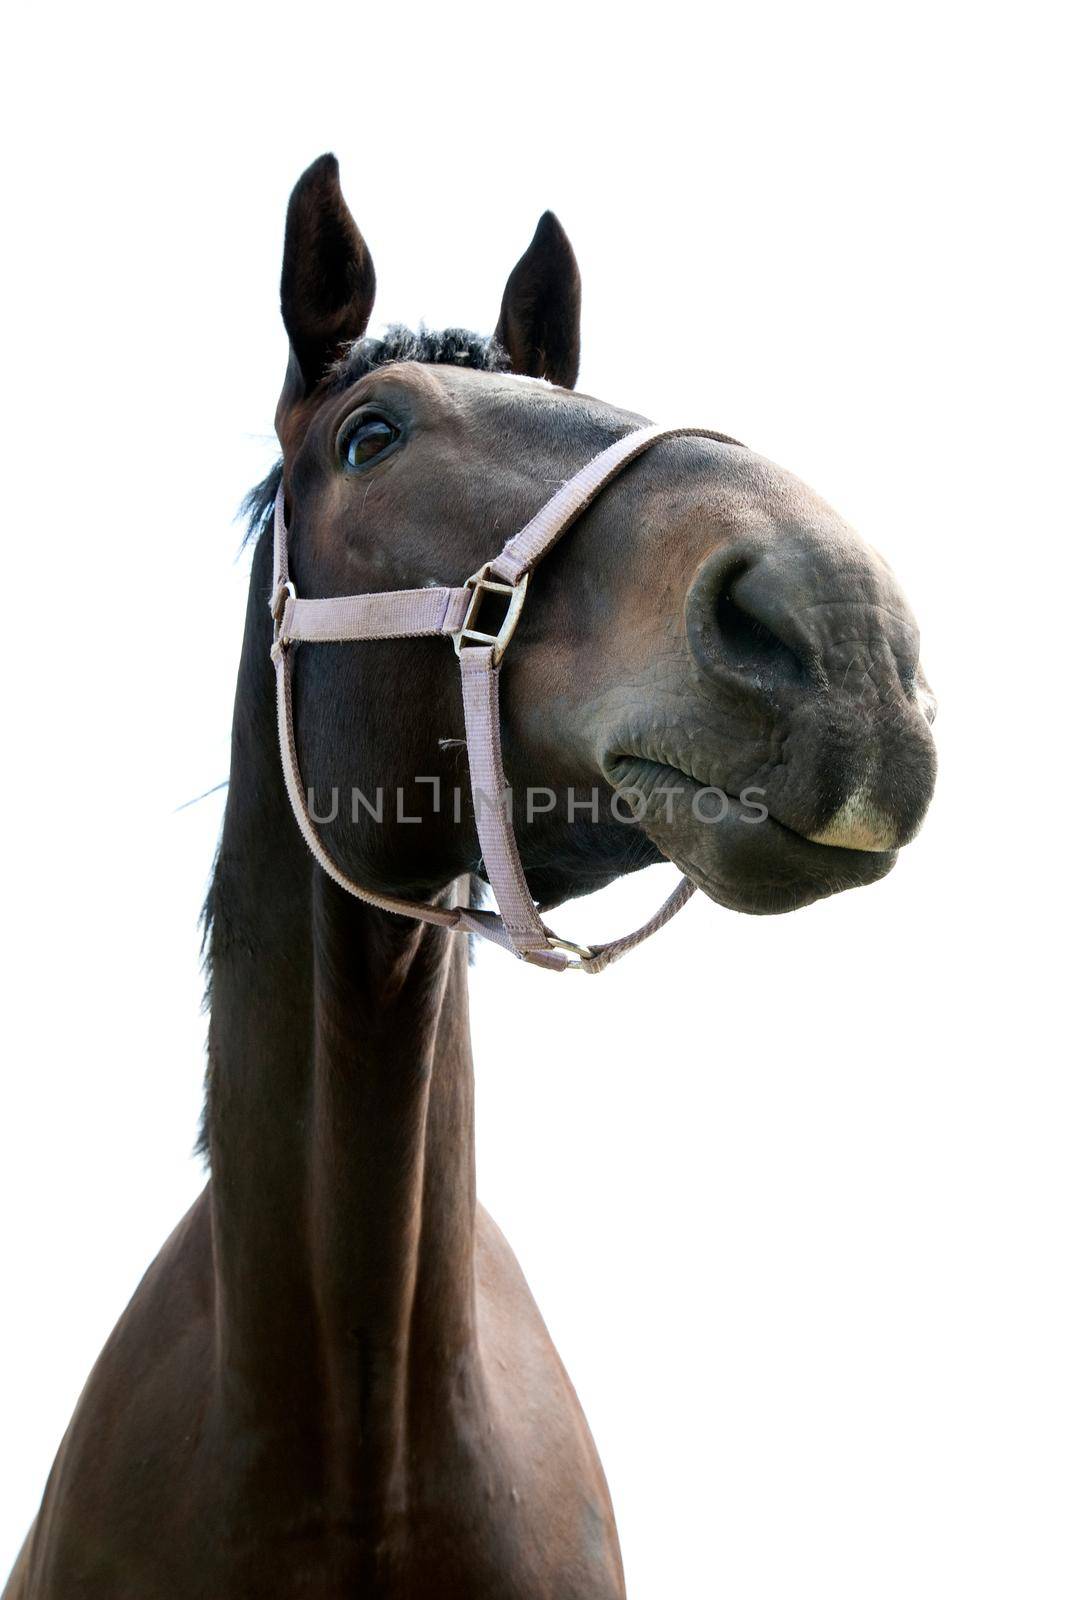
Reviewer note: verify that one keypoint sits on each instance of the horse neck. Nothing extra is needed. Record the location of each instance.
(340, 1131)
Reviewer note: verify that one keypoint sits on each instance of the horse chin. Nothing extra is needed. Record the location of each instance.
(734, 851)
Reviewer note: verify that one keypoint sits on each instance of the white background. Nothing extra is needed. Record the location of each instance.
(790, 1192)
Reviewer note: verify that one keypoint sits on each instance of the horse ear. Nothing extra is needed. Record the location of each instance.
(541, 309)
(327, 278)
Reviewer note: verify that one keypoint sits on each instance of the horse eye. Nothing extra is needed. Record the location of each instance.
(368, 439)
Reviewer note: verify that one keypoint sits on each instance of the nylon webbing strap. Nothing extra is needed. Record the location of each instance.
(410, 613)
(402, 614)
(533, 542)
(492, 797)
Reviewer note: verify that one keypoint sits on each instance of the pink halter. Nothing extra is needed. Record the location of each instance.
(453, 613)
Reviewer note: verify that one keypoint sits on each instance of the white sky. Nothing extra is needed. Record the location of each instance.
(790, 1192)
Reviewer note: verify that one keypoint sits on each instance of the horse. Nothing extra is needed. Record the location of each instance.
(333, 1379)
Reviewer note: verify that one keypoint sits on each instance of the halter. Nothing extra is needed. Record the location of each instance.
(453, 614)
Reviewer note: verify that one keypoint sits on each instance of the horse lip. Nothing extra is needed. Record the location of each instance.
(754, 864)
(815, 842)
(668, 765)
(858, 819)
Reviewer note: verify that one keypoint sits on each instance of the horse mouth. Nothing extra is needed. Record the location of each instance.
(731, 846)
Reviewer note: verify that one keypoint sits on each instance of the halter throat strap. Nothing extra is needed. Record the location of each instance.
(453, 614)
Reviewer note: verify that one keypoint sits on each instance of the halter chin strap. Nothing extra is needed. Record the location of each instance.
(453, 613)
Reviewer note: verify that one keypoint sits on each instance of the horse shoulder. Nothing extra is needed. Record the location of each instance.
(135, 1427)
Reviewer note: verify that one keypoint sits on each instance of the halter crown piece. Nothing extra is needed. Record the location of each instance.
(453, 614)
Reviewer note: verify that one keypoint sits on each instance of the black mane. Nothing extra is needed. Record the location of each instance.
(451, 347)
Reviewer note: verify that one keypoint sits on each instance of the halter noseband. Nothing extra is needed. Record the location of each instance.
(453, 613)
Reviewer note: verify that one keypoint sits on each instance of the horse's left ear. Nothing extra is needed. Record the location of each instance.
(541, 309)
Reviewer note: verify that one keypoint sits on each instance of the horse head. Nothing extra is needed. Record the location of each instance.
(712, 668)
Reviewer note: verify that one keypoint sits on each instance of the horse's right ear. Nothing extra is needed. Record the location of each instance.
(327, 279)
(542, 307)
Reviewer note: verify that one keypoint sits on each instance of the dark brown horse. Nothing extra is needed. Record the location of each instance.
(333, 1379)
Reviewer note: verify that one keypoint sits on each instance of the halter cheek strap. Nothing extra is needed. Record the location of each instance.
(453, 613)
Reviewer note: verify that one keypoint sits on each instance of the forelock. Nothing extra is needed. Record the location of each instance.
(451, 347)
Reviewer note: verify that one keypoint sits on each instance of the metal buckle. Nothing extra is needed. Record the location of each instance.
(480, 584)
(581, 951)
(276, 604)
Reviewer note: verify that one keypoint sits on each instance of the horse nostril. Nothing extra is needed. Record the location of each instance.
(741, 624)
(749, 642)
